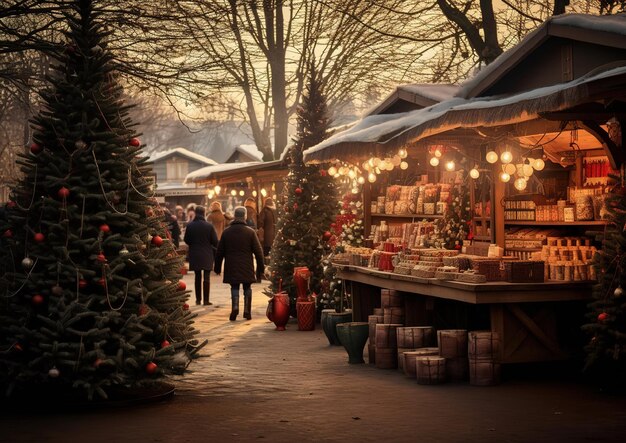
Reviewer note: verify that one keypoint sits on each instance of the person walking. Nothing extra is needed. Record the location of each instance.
(201, 238)
(172, 224)
(218, 218)
(267, 225)
(251, 217)
(238, 245)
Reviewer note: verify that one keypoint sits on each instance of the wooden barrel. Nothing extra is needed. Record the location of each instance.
(378, 311)
(386, 358)
(371, 354)
(430, 370)
(401, 352)
(452, 343)
(484, 372)
(411, 356)
(484, 344)
(390, 299)
(415, 336)
(373, 320)
(457, 368)
(393, 315)
(386, 335)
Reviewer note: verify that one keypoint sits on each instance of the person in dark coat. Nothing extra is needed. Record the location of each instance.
(251, 215)
(172, 224)
(267, 225)
(238, 244)
(201, 238)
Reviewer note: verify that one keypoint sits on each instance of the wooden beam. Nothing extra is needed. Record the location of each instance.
(530, 324)
(615, 154)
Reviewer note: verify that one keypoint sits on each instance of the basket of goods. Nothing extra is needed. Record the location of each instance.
(423, 271)
(459, 261)
(488, 267)
(522, 271)
(446, 273)
(471, 276)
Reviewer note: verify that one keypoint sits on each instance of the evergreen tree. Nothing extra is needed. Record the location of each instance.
(309, 199)
(91, 296)
(606, 327)
(453, 227)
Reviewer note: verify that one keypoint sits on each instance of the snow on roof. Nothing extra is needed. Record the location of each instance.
(381, 128)
(250, 150)
(607, 23)
(436, 92)
(184, 152)
(207, 171)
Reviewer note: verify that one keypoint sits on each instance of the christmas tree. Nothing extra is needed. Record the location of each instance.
(309, 200)
(606, 350)
(454, 227)
(92, 299)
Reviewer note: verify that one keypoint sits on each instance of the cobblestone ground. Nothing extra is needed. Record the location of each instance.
(258, 384)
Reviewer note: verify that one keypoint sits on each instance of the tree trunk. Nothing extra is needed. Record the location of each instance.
(276, 47)
(559, 6)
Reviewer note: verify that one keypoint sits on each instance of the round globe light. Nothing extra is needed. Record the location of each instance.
(332, 171)
(360, 180)
(434, 161)
(474, 173)
(371, 177)
(539, 164)
(527, 170)
(520, 184)
(492, 157)
(403, 153)
(506, 157)
(510, 169)
(404, 165)
(504, 177)
(438, 153)
(450, 165)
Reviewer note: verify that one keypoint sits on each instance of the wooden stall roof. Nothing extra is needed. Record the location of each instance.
(413, 96)
(238, 172)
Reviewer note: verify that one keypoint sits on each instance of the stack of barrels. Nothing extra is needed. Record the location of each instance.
(373, 320)
(410, 339)
(484, 358)
(385, 338)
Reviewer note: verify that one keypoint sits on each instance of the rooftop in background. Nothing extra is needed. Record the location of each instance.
(413, 96)
(156, 156)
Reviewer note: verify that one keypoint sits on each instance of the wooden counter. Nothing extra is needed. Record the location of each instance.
(534, 320)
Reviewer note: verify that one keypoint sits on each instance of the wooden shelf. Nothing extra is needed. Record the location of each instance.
(550, 223)
(412, 216)
(523, 249)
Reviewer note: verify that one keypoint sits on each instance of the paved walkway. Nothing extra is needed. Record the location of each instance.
(258, 384)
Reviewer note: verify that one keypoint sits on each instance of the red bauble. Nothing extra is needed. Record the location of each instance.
(143, 309)
(323, 172)
(298, 191)
(102, 282)
(105, 228)
(97, 362)
(332, 225)
(8, 233)
(101, 258)
(64, 192)
(18, 347)
(186, 307)
(603, 316)
(134, 142)
(165, 344)
(183, 271)
(286, 208)
(151, 367)
(295, 206)
(11, 204)
(326, 236)
(457, 247)
(157, 240)
(35, 148)
(182, 285)
(82, 284)
(39, 237)
(37, 299)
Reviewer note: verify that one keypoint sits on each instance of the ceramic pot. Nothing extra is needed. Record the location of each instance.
(353, 336)
(330, 322)
(278, 310)
(306, 315)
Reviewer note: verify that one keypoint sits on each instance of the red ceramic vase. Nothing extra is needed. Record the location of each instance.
(278, 311)
(301, 276)
(306, 315)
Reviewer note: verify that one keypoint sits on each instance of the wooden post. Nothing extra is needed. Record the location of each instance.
(367, 209)
(498, 207)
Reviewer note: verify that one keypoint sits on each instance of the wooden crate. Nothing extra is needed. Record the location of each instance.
(524, 271)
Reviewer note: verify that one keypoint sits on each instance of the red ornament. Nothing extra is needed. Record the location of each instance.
(143, 309)
(102, 282)
(457, 247)
(183, 271)
(182, 285)
(97, 362)
(11, 204)
(105, 228)
(39, 237)
(151, 367)
(8, 233)
(37, 299)
(186, 307)
(35, 148)
(323, 172)
(327, 235)
(18, 347)
(298, 191)
(165, 344)
(134, 142)
(295, 206)
(157, 240)
(603, 316)
(101, 258)
(82, 284)
(64, 192)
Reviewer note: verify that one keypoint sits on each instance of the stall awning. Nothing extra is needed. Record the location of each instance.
(380, 135)
(237, 172)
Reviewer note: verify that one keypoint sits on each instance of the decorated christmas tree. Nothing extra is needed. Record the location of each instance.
(454, 227)
(92, 297)
(606, 327)
(309, 199)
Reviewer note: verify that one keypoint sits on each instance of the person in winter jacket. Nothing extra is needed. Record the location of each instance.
(267, 225)
(251, 215)
(201, 238)
(238, 245)
(172, 225)
(218, 218)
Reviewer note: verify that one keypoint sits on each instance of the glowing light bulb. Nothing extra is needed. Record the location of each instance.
(337, 175)
(263, 192)
(492, 157)
(376, 161)
(434, 161)
(510, 169)
(527, 170)
(332, 170)
(504, 177)
(376, 170)
(254, 194)
(366, 166)
(355, 190)
(360, 180)
(371, 162)
(217, 189)
(233, 192)
(241, 193)
(403, 153)
(371, 177)
(450, 165)
(539, 164)
(438, 153)
(382, 165)
(211, 193)
(404, 165)
(474, 173)
(351, 173)
(396, 160)
(520, 184)
(506, 157)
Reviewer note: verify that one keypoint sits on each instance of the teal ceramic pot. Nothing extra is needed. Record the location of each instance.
(330, 322)
(353, 336)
